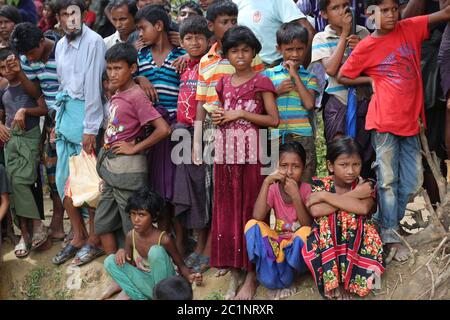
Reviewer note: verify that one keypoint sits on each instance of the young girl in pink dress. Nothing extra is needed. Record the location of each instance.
(248, 103)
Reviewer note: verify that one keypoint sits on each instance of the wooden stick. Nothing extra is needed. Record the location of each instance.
(432, 281)
(433, 255)
(395, 286)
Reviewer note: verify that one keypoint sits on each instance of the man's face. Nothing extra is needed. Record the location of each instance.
(185, 13)
(123, 21)
(205, 4)
(70, 20)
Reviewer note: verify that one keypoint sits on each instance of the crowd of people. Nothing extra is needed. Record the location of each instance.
(183, 106)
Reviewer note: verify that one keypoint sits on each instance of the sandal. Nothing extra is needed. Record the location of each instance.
(191, 260)
(87, 254)
(65, 254)
(39, 238)
(22, 246)
(221, 272)
(202, 264)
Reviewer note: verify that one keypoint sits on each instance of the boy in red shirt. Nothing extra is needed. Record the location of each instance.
(390, 61)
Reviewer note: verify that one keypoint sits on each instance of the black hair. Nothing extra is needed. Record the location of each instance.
(294, 147)
(221, 8)
(238, 35)
(173, 288)
(64, 4)
(191, 5)
(10, 13)
(368, 3)
(343, 145)
(123, 51)
(291, 31)
(154, 13)
(51, 5)
(145, 199)
(5, 53)
(105, 75)
(195, 25)
(131, 4)
(25, 37)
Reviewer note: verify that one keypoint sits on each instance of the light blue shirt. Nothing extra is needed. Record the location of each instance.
(264, 18)
(80, 64)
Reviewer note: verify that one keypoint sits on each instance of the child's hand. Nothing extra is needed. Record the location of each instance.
(121, 257)
(147, 87)
(347, 24)
(285, 87)
(217, 116)
(231, 115)
(291, 188)
(123, 147)
(180, 63)
(139, 44)
(101, 186)
(52, 135)
(19, 119)
(13, 64)
(315, 198)
(276, 176)
(196, 278)
(197, 155)
(5, 134)
(352, 41)
(292, 68)
(363, 190)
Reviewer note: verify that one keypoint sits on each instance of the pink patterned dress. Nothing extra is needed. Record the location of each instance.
(237, 172)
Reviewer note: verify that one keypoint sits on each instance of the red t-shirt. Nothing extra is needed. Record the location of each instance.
(90, 18)
(129, 111)
(187, 102)
(393, 62)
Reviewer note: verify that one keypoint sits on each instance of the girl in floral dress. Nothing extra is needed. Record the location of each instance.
(344, 250)
(247, 103)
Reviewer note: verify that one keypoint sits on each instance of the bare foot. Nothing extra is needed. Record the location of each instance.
(287, 292)
(248, 288)
(402, 253)
(334, 294)
(235, 282)
(344, 294)
(122, 296)
(112, 289)
(221, 272)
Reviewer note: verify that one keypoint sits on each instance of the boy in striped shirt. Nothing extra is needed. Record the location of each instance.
(296, 88)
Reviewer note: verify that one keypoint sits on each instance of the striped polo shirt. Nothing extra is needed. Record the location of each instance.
(323, 46)
(165, 79)
(211, 69)
(293, 116)
(45, 73)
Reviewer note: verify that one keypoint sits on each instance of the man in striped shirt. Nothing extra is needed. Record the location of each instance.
(38, 75)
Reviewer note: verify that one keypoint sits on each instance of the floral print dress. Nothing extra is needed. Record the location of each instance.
(343, 249)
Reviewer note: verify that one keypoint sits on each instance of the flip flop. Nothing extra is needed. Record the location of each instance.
(40, 237)
(87, 254)
(22, 246)
(65, 254)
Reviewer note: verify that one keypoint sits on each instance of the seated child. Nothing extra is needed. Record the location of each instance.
(21, 135)
(277, 252)
(189, 186)
(331, 48)
(122, 161)
(149, 255)
(173, 288)
(343, 251)
(296, 89)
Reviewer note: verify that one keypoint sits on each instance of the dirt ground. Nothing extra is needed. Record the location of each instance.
(37, 278)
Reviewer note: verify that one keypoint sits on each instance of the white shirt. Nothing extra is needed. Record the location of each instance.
(112, 40)
(80, 64)
(264, 18)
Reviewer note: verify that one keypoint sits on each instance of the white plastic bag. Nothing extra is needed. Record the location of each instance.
(83, 183)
